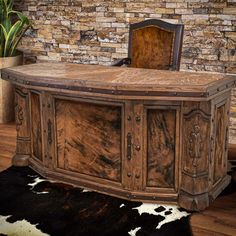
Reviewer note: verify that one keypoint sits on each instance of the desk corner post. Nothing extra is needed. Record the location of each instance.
(23, 142)
(194, 188)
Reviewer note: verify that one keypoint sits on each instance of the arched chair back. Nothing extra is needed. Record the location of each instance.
(154, 44)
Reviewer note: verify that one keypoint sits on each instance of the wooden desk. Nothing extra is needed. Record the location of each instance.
(138, 134)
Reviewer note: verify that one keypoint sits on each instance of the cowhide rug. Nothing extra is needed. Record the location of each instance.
(31, 205)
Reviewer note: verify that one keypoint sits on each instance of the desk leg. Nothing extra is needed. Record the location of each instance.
(20, 160)
(23, 146)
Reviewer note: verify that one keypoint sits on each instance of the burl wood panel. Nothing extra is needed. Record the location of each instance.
(151, 48)
(89, 138)
(36, 126)
(219, 153)
(161, 148)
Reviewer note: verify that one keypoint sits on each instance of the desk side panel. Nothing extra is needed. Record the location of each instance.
(221, 130)
(218, 166)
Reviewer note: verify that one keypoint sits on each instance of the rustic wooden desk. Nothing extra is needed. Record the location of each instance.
(139, 134)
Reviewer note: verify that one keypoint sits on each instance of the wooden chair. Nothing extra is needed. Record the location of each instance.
(154, 44)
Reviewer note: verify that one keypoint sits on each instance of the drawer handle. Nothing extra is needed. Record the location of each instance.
(49, 131)
(129, 140)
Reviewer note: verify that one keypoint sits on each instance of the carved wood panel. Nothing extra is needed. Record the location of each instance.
(89, 138)
(161, 138)
(22, 121)
(220, 135)
(196, 142)
(21, 113)
(36, 126)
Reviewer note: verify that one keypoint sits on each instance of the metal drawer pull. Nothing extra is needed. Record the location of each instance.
(49, 131)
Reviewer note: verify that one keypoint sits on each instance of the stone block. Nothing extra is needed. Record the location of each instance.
(183, 11)
(229, 11)
(105, 19)
(119, 55)
(165, 11)
(231, 35)
(32, 8)
(119, 25)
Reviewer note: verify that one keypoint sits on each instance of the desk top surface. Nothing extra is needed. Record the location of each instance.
(119, 80)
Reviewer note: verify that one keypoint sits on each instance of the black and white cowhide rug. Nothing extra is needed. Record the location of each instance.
(32, 206)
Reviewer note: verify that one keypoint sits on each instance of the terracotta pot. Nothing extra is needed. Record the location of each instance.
(6, 89)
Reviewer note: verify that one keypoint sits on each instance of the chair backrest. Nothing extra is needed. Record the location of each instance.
(155, 44)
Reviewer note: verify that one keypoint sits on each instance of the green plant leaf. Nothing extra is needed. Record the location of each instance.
(21, 16)
(7, 24)
(11, 37)
(4, 31)
(18, 40)
(11, 32)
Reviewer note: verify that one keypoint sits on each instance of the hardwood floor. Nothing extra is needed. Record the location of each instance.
(7, 145)
(219, 219)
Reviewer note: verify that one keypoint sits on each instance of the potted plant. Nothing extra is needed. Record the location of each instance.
(13, 25)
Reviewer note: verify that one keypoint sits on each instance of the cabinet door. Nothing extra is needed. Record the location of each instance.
(89, 138)
(162, 148)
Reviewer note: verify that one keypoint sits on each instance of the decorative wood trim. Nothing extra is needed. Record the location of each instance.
(196, 124)
(19, 116)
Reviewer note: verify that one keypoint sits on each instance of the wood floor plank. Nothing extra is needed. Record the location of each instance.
(218, 219)
(206, 232)
(7, 144)
(214, 223)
